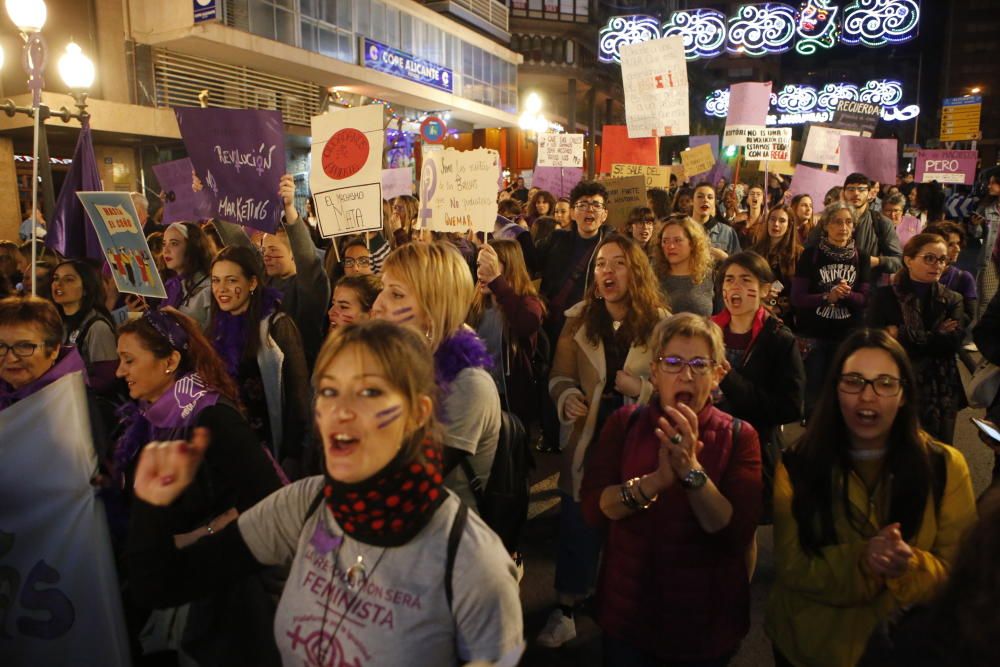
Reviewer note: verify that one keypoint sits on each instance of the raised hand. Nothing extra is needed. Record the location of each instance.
(488, 264)
(167, 468)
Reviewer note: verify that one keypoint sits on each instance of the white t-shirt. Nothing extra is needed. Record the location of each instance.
(471, 424)
(400, 616)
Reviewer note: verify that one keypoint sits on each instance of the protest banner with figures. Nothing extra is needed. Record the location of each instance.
(560, 150)
(656, 176)
(120, 232)
(654, 76)
(184, 196)
(624, 194)
(748, 105)
(346, 175)
(458, 190)
(768, 143)
(239, 157)
(60, 601)
(557, 180)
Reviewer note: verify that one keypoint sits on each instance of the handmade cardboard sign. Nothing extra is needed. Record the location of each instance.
(458, 190)
(748, 105)
(624, 194)
(768, 143)
(346, 175)
(860, 116)
(120, 232)
(239, 157)
(656, 177)
(698, 159)
(560, 150)
(654, 76)
(823, 144)
(946, 166)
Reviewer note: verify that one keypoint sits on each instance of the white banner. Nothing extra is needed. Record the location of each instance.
(346, 174)
(458, 190)
(59, 596)
(768, 143)
(654, 76)
(560, 150)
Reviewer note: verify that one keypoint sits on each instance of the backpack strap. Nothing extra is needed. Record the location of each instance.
(314, 505)
(737, 425)
(454, 537)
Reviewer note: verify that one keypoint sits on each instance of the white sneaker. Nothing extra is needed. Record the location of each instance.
(558, 630)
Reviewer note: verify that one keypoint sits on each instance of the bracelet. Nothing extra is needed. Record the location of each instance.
(649, 501)
(626, 497)
(630, 487)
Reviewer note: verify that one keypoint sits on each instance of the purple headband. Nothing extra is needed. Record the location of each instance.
(169, 328)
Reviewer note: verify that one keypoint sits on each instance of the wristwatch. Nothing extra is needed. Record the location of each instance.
(695, 479)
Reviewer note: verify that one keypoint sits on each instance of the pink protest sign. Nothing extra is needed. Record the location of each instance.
(946, 166)
(875, 158)
(557, 180)
(748, 105)
(813, 182)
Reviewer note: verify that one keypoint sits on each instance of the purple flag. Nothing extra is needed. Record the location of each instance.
(239, 156)
(557, 180)
(181, 202)
(69, 231)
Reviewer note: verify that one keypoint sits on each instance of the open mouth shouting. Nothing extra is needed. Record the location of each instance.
(341, 444)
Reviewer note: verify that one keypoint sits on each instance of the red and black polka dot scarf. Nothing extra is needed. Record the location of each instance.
(393, 505)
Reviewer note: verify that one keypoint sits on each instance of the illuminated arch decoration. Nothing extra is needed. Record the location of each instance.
(623, 30)
(796, 104)
(875, 23)
(759, 30)
(703, 31)
(817, 27)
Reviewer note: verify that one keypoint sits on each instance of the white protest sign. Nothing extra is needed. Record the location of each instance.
(60, 601)
(346, 175)
(396, 182)
(654, 76)
(458, 190)
(768, 143)
(823, 145)
(560, 150)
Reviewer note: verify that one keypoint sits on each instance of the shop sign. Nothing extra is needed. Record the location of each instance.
(205, 10)
(382, 58)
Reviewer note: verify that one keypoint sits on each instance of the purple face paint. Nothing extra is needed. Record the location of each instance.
(401, 315)
(322, 540)
(389, 415)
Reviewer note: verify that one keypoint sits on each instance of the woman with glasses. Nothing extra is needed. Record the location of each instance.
(829, 292)
(955, 278)
(929, 320)
(358, 259)
(869, 510)
(682, 260)
(602, 363)
(676, 486)
(641, 223)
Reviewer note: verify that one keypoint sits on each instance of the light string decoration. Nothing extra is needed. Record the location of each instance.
(762, 29)
(795, 104)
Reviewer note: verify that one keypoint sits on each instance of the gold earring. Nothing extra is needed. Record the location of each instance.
(169, 371)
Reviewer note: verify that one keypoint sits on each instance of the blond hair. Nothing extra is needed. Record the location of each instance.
(700, 260)
(689, 325)
(440, 281)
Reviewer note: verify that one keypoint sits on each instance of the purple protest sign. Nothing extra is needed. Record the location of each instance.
(557, 180)
(181, 200)
(813, 182)
(946, 166)
(239, 155)
(875, 158)
(748, 105)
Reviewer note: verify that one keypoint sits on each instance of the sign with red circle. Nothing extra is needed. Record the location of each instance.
(433, 130)
(345, 153)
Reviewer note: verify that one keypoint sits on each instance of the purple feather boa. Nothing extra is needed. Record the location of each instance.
(230, 332)
(463, 350)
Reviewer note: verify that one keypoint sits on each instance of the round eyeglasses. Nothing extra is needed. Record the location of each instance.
(883, 385)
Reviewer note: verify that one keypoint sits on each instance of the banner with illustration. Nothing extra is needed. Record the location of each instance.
(60, 602)
(118, 228)
(239, 157)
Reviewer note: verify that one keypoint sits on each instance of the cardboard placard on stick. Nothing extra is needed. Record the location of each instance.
(654, 76)
(624, 194)
(813, 182)
(346, 175)
(458, 190)
(946, 166)
(860, 116)
(768, 143)
(822, 144)
(560, 150)
(748, 105)
(698, 160)
(875, 158)
(656, 177)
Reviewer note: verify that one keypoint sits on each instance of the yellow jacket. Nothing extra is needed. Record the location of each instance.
(823, 609)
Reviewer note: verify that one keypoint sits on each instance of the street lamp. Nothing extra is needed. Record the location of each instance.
(77, 72)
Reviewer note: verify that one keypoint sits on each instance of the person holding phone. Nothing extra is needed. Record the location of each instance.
(676, 485)
(869, 510)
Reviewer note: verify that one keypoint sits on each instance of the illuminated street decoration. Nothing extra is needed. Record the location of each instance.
(624, 30)
(795, 104)
(875, 23)
(758, 30)
(817, 27)
(768, 28)
(703, 31)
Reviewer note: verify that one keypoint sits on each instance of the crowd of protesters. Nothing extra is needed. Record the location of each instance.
(295, 445)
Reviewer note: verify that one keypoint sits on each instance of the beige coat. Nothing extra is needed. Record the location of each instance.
(578, 368)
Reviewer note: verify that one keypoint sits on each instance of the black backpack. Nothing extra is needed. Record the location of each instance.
(503, 504)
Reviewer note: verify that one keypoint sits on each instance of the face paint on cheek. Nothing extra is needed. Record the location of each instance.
(403, 314)
(751, 293)
(388, 416)
(239, 292)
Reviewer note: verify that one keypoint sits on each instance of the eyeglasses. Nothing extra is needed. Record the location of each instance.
(674, 365)
(360, 262)
(883, 385)
(856, 189)
(20, 349)
(592, 205)
(930, 259)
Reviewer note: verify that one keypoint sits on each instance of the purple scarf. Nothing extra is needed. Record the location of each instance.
(231, 332)
(167, 418)
(68, 361)
(177, 294)
(463, 350)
